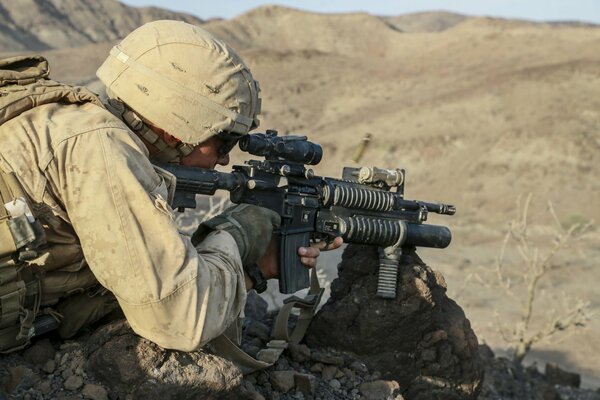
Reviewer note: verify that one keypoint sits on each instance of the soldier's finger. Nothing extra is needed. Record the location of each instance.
(309, 261)
(325, 246)
(309, 252)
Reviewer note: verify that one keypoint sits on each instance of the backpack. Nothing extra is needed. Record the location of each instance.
(24, 84)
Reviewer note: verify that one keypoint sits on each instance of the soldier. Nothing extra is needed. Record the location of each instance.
(175, 94)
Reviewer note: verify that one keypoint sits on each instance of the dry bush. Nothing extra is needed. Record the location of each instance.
(536, 323)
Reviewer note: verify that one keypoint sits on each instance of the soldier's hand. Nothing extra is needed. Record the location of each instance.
(268, 263)
(308, 255)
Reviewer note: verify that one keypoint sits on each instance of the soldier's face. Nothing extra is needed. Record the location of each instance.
(206, 155)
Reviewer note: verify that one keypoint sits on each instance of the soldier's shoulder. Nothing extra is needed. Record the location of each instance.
(80, 118)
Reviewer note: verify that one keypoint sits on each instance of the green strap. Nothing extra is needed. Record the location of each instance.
(307, 307)
(225, 347)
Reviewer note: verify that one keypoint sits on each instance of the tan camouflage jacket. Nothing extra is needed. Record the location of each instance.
(98, 195)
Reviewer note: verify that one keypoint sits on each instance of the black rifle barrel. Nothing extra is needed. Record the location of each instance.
(438, 208)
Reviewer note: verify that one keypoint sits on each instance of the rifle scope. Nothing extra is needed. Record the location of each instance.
(291, 148)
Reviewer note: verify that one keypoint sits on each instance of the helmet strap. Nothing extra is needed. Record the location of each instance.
(165, 153)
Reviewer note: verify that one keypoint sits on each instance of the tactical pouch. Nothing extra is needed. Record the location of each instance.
(20, 290)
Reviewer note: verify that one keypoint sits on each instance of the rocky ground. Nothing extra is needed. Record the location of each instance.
(110, 362)
(126, 367)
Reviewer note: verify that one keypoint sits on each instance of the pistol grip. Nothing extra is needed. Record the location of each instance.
(293, 275)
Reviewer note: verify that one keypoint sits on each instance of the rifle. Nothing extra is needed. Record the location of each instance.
(365, 206)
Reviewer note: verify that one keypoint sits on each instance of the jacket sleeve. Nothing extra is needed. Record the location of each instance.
(173, 294)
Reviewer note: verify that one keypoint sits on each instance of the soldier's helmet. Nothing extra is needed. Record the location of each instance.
(183, 80)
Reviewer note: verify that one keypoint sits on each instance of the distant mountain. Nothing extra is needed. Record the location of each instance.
(288, 29)
(47, 24)
(434, 21)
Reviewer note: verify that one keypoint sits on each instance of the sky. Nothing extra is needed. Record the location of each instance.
(538, 10)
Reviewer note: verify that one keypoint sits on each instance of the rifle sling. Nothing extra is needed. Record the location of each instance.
(226, 347)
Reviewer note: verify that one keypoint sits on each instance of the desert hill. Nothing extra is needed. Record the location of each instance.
(46, 24)
(286, 29)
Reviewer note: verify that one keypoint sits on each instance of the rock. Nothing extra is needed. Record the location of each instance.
(547, 392)
(256, 307)
(282, 364)
(251, 350)
(40, 352)
(305, 383)
(326, 358)
(251, 378)
(66, 373)
(335, 384)
(557, 376)
(257, 329)
(299, 352)
(282, 381)
(329, 372)
(358, 367)
(248, 392)
(420, 339)
(485, 352)
(73, 383)
(49, 366)
(20, 378)
(44, 386)
(128, 365)
(94, 392)
(350, 374)
(64, 360)
(379, 390)
(67, 396)
(317, 367)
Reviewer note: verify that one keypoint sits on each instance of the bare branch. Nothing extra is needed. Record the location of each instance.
(536, 265)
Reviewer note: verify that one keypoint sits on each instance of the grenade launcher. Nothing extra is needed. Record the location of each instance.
(365, 206)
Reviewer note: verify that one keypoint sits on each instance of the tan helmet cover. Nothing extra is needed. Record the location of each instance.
(183, 80)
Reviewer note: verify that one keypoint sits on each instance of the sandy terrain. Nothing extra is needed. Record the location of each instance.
(478, 114)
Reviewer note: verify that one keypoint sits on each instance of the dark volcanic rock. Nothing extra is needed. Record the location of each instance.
(421, 339)
(129, 365)
(559, 376)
